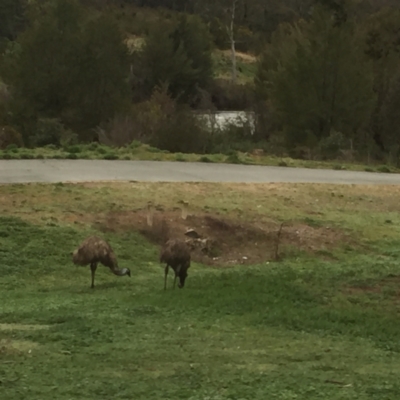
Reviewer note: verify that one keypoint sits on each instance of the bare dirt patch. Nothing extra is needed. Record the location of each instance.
(218, 240)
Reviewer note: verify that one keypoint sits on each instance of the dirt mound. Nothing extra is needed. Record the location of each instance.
(217, 240)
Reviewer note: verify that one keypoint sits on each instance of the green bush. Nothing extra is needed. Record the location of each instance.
(27, 156)
(135, 144)
(233, 158)
(101, 150)
(9, 156)
(205, 159)
(12, 147)
(180, 157)
(384, 169)
(9, 136)
(110, 156)
(50, 131)
(73, 149)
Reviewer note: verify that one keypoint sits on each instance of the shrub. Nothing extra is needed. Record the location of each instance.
(9, 156)
(180, 157)
(101, 150)
(93, 146)
(111, 156)
(233, 158)
(205, 159)
(27, 156)
(330, 146)
(73, 149)
(384, 169)
(50, 131)
(10, 137)
(135, 144)
(72, 156)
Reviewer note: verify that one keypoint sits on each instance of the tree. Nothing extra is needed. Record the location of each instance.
(179, 55)
(317, 80)
(11, 18)
(68, 68)
(382, 46)
(100, 86)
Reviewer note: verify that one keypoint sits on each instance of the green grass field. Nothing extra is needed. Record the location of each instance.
(320, 324)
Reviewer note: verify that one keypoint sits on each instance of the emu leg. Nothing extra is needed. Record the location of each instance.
(93, 267)
(177, 271)
(165, 277)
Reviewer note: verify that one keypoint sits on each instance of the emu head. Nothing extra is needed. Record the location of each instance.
(182, 277)
(126, 271)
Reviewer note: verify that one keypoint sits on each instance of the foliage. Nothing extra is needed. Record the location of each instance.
(178, 54)
(68, 68)
(11, 18)
(318, 80)
(382, 46)
(50, 131)
(326, 66)
(168, 125)
(9, 136)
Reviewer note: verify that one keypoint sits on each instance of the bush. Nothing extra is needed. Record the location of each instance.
(101, 150)
(9, 156)
(330, 146)
(111, 156)
(233, 158)
(205, 159)
(27, 156)
(93, 146)
(73, 149)
(384, 169)
(10, 137)
(135, 144)
(50, 131)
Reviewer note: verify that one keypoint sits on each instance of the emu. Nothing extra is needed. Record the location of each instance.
(94, 250)
(176, 254)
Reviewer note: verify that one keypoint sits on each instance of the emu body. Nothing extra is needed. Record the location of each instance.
(94, 250)
(176, 254)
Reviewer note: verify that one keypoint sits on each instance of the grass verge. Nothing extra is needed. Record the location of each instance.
(137, 151)
(304, 328)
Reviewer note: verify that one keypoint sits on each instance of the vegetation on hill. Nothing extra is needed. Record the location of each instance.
(320, 75)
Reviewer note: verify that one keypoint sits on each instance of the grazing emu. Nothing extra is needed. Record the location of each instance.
(176, 254)
(94, 250)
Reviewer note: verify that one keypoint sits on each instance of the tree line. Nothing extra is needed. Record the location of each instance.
(327, 81)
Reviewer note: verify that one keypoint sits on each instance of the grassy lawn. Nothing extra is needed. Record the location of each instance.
(322, 323)
(138, 151)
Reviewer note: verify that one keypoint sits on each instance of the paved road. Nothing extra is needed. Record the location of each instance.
(22, 171)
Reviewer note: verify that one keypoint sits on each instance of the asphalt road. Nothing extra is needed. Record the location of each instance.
(50, 171)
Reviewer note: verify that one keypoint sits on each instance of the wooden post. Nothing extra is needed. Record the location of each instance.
(150, 213)
(184, 209)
